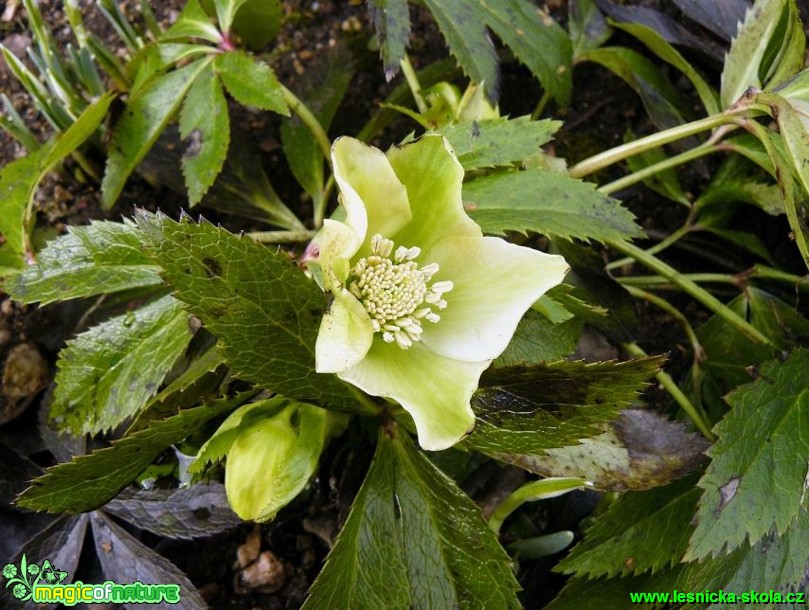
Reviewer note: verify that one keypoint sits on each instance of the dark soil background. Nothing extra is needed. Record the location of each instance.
(295, 544)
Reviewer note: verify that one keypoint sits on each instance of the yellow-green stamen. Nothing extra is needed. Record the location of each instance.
(396, 292)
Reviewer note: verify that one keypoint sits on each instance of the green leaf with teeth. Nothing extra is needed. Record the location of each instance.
(548, 203)
(109, 372)
(258, 303)
(754, 459)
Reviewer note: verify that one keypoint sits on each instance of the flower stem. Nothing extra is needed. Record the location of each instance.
(689, 286)
(658, 247)
(657, 280)
(619, 153)
(706, 148)
(782, 173)
(322, 201)
(535, 490)
(768, 273)
(413, 83)
(633, 349)
(309, 119)
(543, 101)
(696, 346)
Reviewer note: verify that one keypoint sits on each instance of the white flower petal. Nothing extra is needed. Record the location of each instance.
(435, 390)
(345, 335)
(433, 177)
(374, 199)
(494, 283)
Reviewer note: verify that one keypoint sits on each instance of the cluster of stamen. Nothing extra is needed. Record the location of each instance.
(396, 292)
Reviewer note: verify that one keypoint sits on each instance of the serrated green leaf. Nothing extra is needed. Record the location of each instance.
(754, 458)
(193, 22)
(167, 54)
(391, 20)
(552, 310)
(500, 142)
(149, 110)
(225, 12)
(123, 557)
(91, 480)
(20, 178)
(641, 532)
(524, 410)
(366, 568)
(463, 25)
(538, 339)
(614, 593)
(200, 379)
(322, 89)
(257, 22)
(638, 450)
(18, 182)
(453, 558)
(775, 563)
(180, 514)
(767, 50)
(109, 372)
(731, 354)
(251, 82)
(205, 122)
(658, 45)
(536, 40)
(413, 539)
(548, 203)
(99, 258)
(243, 188)
(614, 314)
(763, 195)
(264, 311)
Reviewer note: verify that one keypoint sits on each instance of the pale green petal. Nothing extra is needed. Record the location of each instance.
(433, 177)
(435, 390)
(345, 335)
(374, 199)
(495, 282)
(328, 256)
(220, 442)
(271, 462)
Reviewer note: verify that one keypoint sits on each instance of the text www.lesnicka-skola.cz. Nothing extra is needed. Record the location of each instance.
(719, 597)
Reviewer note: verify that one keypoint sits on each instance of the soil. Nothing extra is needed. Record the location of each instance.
(288, 553)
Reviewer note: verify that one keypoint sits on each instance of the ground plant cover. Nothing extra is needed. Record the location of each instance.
(388, 304)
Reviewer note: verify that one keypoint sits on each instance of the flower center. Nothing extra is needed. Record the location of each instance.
(396, 292)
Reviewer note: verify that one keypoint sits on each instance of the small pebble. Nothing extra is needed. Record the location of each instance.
(25, 371)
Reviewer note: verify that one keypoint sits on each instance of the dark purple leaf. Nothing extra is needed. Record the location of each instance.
(201, 510)
(125, 560)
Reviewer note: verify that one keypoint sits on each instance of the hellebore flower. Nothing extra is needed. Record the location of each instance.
(272, 448)
(422, 301)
